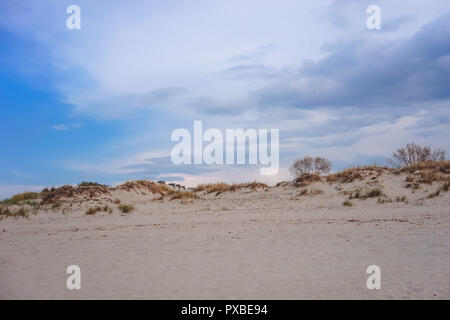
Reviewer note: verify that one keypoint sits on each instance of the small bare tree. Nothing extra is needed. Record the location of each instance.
(322, 165)
(413, 154)
(308, 164)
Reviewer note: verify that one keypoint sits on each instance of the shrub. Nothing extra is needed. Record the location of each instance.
(413, 154)
(308, 164)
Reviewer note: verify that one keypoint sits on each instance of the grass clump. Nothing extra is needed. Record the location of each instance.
(374, 193)
(126, 208)
(313, 192)
(4, 211)
(21, 212)
(401, 199)
(347, 203)
(92, 211)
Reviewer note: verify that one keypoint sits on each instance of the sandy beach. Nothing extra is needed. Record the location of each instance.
(266, 243)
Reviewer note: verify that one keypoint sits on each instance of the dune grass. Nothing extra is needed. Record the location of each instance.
(16, 199)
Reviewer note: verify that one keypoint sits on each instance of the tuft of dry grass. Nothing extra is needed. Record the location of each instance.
(304, 192)
(92, 211)
(313, 192)
(21, 212)
(178, 194)
(357, 194)
(126, 208)
(4, 211)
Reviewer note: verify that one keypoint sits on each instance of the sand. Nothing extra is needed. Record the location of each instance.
(266, 244)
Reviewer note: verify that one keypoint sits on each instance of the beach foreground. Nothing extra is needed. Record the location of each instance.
(262, 243)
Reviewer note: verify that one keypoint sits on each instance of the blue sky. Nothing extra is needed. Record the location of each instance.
(100, 103)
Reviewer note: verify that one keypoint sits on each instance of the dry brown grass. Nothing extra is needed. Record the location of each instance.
(427, 173)
(306, 179)
(21, 212)
(355, 173)
(358, 194)
(4, 211)
(92, 211)
(155, 188)
(183, 195)
(126, 208)
(435, 166)
(212, 187)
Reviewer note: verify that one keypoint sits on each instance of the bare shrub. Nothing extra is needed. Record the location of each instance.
(309, 164)
(321, 165)
(413, 154)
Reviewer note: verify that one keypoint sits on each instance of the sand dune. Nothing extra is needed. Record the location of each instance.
(263, 243)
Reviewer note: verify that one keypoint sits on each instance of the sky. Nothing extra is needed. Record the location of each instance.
(100, 103)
